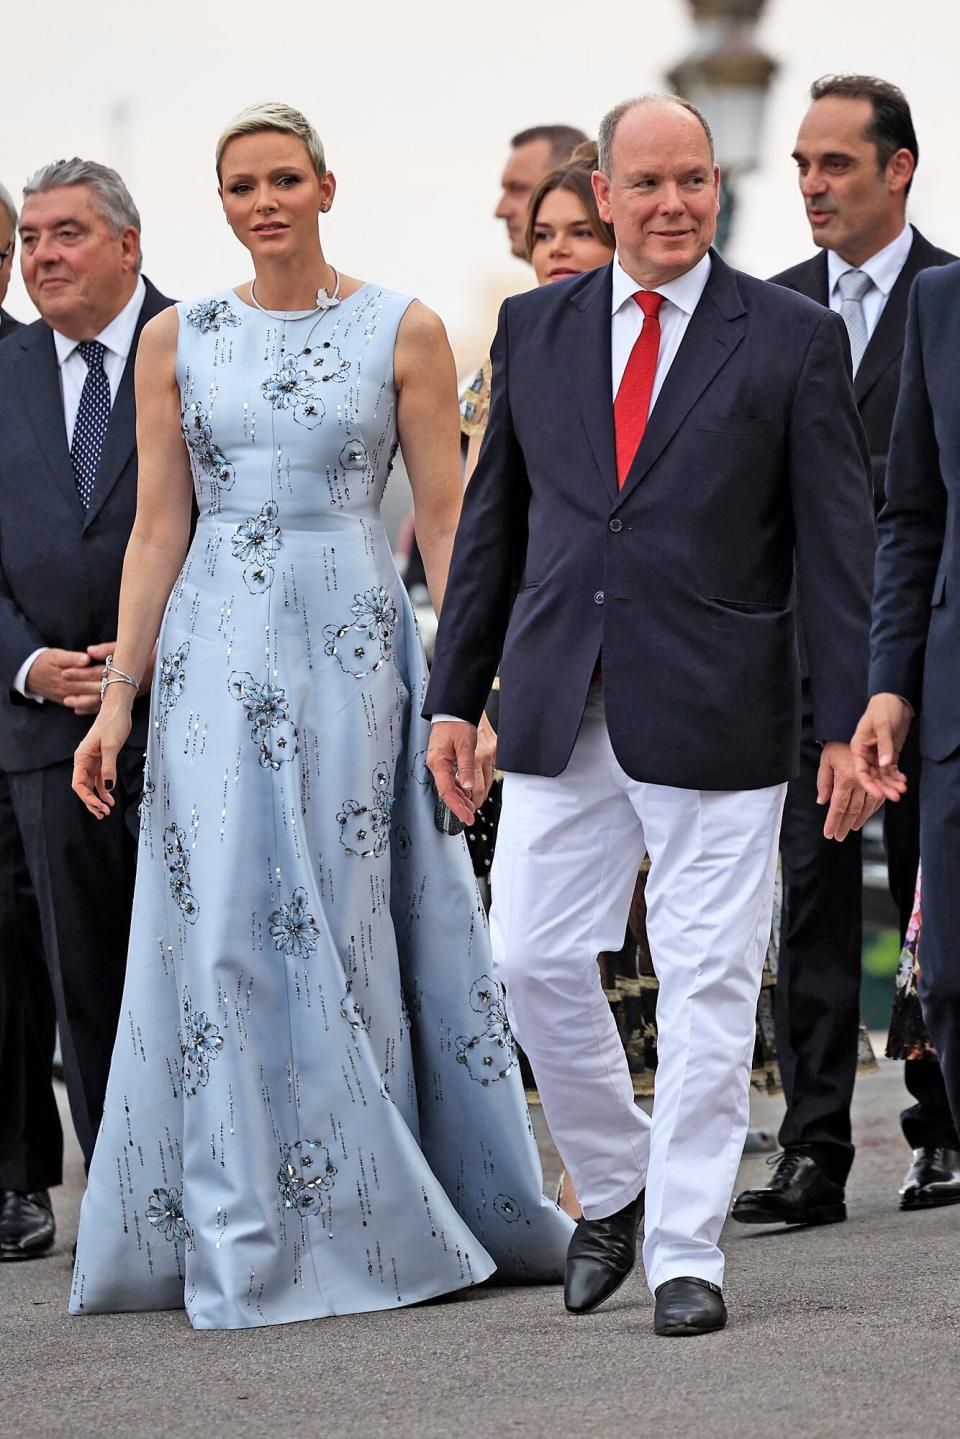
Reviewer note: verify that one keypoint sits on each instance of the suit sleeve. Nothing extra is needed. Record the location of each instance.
(911, 526)
(832, 498)
(488, 559)
(18, 637)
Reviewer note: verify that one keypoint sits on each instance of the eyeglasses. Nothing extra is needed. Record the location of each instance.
(5, 254)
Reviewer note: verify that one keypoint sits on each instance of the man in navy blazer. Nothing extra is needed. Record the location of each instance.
(915, 655)
(636, 576)
(856, 154)
(68, 480)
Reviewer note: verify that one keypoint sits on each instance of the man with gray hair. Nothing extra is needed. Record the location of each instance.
(68, 480)
(667, 439)
(8, 244)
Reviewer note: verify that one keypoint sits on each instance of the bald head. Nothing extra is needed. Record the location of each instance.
(659, 187)
(610, 123)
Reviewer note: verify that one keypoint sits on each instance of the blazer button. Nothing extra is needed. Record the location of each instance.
(598, 598)
(616, 526)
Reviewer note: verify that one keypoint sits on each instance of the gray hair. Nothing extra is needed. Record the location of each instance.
(111, 196)
(610, 121)
(10, 209)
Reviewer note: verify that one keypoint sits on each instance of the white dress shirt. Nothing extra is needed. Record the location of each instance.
(884, 270)
(681, 298)
(117, 340)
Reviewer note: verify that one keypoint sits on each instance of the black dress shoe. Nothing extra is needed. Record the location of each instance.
(688, 1306)
(933, 1178)
(27, 1229)
(799, 1193)
(600, 1256)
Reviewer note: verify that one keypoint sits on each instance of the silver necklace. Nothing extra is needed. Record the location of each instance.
(325, 301)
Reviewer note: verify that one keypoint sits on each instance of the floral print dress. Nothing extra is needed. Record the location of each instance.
(314, 1105)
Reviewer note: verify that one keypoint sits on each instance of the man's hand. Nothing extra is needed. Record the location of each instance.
(876, 746)
(850, 805)
(67, 677)
(452, 760)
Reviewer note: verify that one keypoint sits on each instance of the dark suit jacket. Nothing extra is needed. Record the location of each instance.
(59, 564)
(7, 324)
(878, 377)
(753, 452)
(916, 616)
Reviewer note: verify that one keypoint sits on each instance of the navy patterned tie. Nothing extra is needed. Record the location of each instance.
(93, 416)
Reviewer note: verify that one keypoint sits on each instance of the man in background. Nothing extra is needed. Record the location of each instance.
(8, 244)
(856, 154)
(533, 154)
(68, 480)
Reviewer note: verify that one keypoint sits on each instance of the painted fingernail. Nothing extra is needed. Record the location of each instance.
(108, 784)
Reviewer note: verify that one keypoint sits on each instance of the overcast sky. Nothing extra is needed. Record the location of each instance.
(415, 102)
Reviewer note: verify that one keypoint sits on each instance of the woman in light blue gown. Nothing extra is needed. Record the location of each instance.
(314, 1106)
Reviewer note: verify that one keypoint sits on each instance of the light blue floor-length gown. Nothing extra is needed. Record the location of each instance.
(314, 1105)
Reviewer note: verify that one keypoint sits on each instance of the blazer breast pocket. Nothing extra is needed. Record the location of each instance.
(741, 425)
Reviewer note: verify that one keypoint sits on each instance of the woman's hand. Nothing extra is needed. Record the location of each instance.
(486, 759)
(95, 760)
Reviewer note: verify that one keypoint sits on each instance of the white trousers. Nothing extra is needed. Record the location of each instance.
(568, 852)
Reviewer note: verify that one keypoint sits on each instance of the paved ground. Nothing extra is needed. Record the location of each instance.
(853, 1330)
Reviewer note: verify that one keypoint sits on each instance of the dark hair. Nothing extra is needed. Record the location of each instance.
(891, 127)
(574, 177)
(561, 138)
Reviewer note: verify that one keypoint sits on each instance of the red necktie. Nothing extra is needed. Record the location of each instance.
(632, 405)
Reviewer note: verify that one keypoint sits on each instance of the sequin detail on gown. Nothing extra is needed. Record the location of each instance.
(314, 1105)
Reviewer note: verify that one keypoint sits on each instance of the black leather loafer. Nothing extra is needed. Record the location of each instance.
(601, 1254)
(932, 1179)
(688, 1306)
(799, 1193)
(27, 1229)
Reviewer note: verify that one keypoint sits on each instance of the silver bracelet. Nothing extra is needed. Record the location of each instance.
(114, 676)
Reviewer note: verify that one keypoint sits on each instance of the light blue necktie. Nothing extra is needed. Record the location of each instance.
(853, 285)
(93, 417)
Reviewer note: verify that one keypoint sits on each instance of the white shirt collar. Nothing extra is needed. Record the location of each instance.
(883, 268)
(117, 336)
(684, 291)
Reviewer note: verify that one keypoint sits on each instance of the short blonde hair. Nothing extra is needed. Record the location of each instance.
(274, 115)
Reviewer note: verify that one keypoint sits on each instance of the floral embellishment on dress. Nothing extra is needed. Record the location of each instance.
(292, 388)
(256, 543)
(331, 364)
(200, 1044)
(365, 828)
(293, 930)
(364, 644)
(305, 1175)
(178, 871)
(172, 678)
(507, 1208)
(491, 1054)
(211, 314)
(207, 455)
(354, 461)
(267, 709)
(352, 1011)
(165, 1213)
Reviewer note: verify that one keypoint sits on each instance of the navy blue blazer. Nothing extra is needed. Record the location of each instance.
(753, 453)
(59, 563)
(916, 611)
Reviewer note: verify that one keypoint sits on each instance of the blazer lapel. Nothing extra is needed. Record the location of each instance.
(715, 330)
(886, 342)
(121, 437)
(814, 279)
(39, 380)
(592, 372)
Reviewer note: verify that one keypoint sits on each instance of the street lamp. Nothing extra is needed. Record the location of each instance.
(727, 77)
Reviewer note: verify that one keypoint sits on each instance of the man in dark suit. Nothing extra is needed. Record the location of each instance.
(915, 658)
(68, 475)
(856, 154)
(668, 549)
